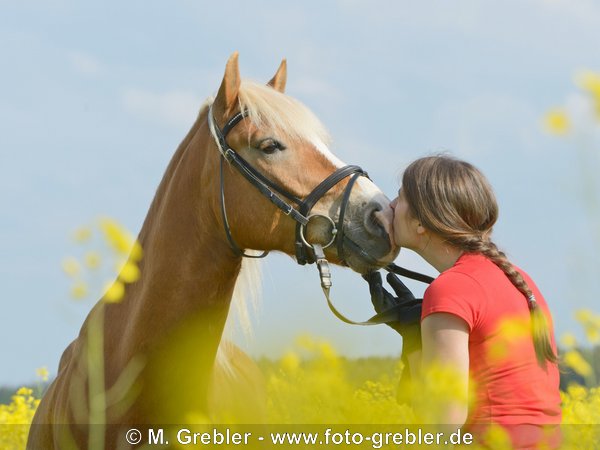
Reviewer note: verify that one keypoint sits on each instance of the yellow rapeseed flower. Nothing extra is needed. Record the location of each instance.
(327, 351)
(568, 340)
(136, 252)
(498, 351)
(92, 260)
(576, 392)
(556, 121)
(71, 266)
(592, 334)
(514, 329)
(305, 342)
(15, 419)
(590, 82)
(197, 418)
(498, 438)
(129, 272)
(590, 323)
(582, 315)
(24, 392)
(82, 235)
(594, 320)
(290, 362)
(114, 292)
(42, 373)
(575, 361)
(79, 290)
(116, 235)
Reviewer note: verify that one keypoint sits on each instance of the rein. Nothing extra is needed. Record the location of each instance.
(299, 210)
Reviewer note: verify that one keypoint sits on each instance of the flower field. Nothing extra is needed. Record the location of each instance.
(313, 385)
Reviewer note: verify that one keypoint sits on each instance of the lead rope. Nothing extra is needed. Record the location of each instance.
(389, 315)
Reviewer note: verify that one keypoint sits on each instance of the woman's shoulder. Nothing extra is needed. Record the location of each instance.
(465, 279)
(462, 290)
(481, 269)
(454, 292)
(464, 272)
(453, 281)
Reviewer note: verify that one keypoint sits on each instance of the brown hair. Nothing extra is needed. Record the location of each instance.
(453, 199)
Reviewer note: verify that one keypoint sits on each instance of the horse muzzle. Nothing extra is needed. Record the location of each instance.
(367, 240)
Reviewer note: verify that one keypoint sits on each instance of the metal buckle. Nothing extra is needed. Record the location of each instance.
(228, 154)
(323, 267)
(333, 231)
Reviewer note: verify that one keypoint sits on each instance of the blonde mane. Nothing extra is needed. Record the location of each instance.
(270, 108)
(246, 298)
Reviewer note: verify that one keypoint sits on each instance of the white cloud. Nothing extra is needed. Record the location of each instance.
(173, 108)
(84, 63)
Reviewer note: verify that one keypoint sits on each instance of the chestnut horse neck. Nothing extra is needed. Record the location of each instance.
(188, 266)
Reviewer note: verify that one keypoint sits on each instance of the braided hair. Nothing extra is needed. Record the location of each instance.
(453, 199)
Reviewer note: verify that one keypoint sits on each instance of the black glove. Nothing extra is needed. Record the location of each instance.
(407, 309)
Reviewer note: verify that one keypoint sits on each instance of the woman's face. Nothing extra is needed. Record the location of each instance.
(405, 225)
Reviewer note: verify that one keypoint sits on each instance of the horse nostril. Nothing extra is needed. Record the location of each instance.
(373, 223)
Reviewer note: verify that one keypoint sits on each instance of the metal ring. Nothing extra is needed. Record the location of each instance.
(333, 230)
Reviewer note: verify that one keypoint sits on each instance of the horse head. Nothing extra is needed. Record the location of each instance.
(283, 149)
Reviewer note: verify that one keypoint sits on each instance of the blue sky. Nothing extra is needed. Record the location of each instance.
(96, 97)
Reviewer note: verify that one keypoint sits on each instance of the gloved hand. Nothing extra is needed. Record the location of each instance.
(406, 308)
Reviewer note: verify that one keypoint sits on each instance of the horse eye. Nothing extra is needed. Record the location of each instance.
(270, 146)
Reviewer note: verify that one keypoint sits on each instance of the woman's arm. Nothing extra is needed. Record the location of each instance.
(445, 340)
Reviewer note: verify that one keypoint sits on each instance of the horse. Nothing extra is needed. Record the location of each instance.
(152, 357)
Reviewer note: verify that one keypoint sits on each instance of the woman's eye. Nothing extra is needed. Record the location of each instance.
(270, 146)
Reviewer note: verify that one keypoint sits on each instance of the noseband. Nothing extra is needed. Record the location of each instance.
(301, 213)
(291, 205)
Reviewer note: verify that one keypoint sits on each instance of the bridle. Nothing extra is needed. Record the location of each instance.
(300, 211)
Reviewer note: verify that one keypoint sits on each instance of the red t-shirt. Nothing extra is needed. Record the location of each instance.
(510, 387)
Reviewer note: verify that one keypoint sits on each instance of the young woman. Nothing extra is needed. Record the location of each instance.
(482, 315)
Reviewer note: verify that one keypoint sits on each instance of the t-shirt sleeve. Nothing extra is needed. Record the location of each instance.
(455, 293)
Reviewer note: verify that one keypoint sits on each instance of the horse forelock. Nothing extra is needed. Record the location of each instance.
(267, 107)
(271, 108)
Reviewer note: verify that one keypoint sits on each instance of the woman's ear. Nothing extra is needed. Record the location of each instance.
(420, 229)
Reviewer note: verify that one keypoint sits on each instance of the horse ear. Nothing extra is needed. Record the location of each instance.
(280, 77)
(226, 98)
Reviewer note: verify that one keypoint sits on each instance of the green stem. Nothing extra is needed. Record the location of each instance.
(96, 383)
